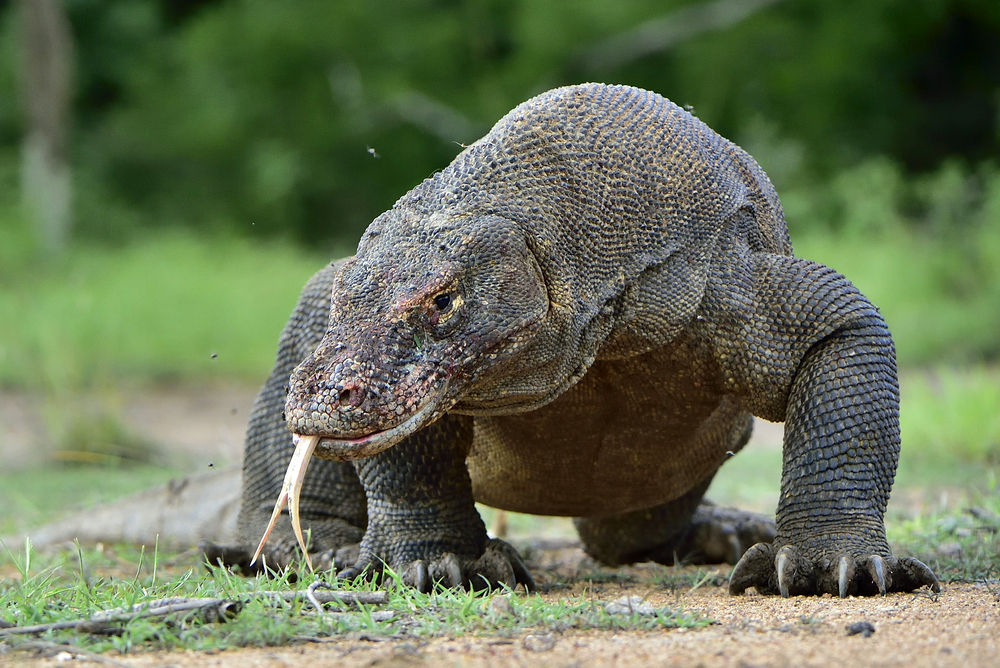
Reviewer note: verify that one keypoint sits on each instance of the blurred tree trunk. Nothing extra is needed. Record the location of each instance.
(47, 65)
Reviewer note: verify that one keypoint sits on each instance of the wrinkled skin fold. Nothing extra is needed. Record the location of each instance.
(579, 316)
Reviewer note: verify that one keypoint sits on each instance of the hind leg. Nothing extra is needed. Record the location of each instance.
(689, 529)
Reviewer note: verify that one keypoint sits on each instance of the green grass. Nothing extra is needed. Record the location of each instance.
(960, 545)
(70, 586)
(951, 416)
(170, 307)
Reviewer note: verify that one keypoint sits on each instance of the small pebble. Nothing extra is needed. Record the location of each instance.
(864, 628)
(629, 605)
(501, 605)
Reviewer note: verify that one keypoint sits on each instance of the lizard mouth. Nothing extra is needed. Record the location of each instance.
(341, 449)
(349, 449)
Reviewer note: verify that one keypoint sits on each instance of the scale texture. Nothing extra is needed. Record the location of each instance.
(580, 316)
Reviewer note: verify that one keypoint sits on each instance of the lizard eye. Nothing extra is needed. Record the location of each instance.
(443, 302)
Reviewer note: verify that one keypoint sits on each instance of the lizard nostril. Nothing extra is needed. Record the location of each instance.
(351, 396)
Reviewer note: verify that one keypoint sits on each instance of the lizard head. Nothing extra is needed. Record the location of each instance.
(425, 310)
(431, 308)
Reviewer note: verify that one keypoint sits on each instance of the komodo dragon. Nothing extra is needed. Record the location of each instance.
(580, 316)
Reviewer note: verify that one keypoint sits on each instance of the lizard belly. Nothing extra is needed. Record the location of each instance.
(631, 434)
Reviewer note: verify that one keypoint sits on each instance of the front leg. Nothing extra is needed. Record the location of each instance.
(812, 351)
(841, 449)
(422, 519)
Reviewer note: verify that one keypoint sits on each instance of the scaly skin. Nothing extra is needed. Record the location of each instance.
(579, 316)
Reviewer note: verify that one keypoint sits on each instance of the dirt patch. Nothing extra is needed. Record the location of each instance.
(190, 425)
(960, 627)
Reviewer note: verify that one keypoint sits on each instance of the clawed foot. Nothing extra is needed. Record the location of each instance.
(499, 566)
(785, 571)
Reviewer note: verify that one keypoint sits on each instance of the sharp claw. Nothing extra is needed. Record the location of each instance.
(522, 575)
(454, 570)
(915, 574)
(752, 569)
(844, 575)
(784, 567)
(423, 580)
(876, 568)
(291, 489)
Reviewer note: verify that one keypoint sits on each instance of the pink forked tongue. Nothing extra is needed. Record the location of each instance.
(291, 489)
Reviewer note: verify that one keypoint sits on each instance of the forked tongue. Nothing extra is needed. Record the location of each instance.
(291, 489)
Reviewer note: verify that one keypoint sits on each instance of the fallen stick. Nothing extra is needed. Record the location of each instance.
(344, 597)
(212, 609)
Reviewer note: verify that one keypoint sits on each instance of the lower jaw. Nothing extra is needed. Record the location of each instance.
(349, 449)
(345, 450)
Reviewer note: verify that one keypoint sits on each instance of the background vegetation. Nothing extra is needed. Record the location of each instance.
(223, 150)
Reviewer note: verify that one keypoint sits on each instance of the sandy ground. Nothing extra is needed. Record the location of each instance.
(960, 627)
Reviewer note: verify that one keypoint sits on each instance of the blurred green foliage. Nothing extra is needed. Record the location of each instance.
(169, 307)
(878, 120)
(925, 249)
(948, 416)
(257, 116)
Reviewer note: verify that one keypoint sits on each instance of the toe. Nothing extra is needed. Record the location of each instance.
(845, 576)
(364, 568)
(754, 569)
(348, 554)
(881, 576)
(417, 575)
(273, 561)
(447, 571)
(323, 561)
(795, 574)
(500, 566)
(910, 574)
(785, 568)
(522, 575)
(222, 555)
